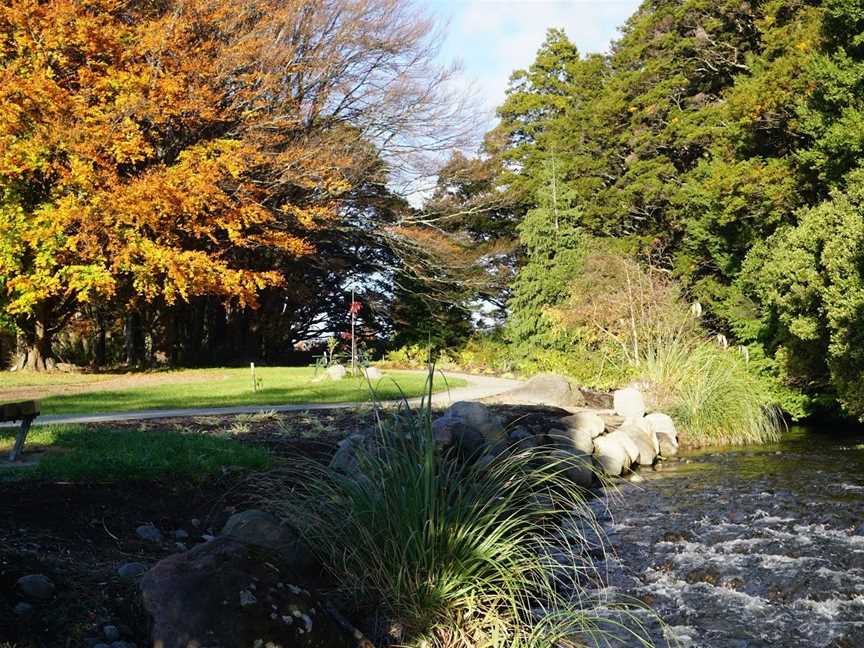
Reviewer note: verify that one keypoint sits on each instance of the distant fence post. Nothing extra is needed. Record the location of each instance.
(254, 382)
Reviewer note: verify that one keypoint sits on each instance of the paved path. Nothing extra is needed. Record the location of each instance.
(477, 387)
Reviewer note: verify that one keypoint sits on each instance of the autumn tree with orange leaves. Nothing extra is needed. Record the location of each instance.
(159, 150)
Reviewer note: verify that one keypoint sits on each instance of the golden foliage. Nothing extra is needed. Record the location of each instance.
(161, 147)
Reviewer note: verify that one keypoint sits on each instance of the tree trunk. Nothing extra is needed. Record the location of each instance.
(38, 345)
(100, 350)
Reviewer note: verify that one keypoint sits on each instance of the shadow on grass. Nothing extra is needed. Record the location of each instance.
(78, 453)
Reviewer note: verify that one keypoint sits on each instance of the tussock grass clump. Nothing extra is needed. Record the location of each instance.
(445, 552)
(711, 394)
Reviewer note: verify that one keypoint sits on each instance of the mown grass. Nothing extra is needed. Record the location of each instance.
(225, 387)
(448, 553)
(79, 453)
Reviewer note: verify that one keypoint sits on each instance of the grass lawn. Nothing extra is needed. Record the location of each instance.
(78, 453)
(87, 393)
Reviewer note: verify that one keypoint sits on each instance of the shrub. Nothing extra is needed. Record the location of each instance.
(636, 319)
(451, 553)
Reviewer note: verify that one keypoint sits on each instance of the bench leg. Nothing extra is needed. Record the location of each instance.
(19, 439)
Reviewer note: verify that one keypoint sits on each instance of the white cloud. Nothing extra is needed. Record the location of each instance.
(493, 38)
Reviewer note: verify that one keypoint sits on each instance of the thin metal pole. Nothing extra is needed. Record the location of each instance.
(353, 339)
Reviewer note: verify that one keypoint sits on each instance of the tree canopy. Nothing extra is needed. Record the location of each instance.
(158, 153)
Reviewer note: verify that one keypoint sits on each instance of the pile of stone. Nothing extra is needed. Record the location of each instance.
(613, 440)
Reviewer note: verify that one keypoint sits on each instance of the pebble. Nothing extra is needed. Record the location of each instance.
(131, 570)
(23, 609)
(36, 586)
(149, 533)
(111, 632)
(180, 534)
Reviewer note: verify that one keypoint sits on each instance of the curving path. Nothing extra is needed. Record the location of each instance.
(477, 387)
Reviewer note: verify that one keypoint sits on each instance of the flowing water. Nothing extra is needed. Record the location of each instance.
(747, 547)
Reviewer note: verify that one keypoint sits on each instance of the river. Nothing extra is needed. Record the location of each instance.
(745, 547)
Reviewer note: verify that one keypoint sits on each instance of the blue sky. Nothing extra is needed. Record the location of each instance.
(494, 37)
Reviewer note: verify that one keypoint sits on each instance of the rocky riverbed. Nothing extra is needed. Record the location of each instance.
(746, 548)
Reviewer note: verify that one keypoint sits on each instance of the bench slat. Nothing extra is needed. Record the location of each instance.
(18, 411)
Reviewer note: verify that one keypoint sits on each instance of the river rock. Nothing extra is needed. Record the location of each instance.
(196, 598)
(131, 570)
(644, 439)
(36, 587)
(610, 454)
(23, 609)
(254, 527)
(544, 389)
(629, 403)
(631, 450)
(664, 428)
(573, 439)
(645, 429)
(336, 372)
(149, 533)
(588, 421)
(111, 632)
(579, 467)
(345, 459)
(469, 425)
(479, 416)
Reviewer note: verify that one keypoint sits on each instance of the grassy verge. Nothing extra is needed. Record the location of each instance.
(220, 388)
(79, 453)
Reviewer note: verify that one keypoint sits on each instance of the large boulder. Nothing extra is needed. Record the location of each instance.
(578, 439)
(631, 449)
(346, 459)
(227, 594)
(629, 403)
(254, 527)
(544, 389)
(469, 425)
(36, 586)
(644, 438)
(664, 429)
(610, 454)
(372, 373)
(577, 466)
(588, 421)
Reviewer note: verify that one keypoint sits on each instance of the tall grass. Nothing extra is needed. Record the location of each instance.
(708, 390)
(445, 552)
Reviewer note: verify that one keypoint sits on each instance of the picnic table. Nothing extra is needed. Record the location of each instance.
(24, 411)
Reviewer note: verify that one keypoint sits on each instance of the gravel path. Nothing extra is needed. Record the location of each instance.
(477, 387)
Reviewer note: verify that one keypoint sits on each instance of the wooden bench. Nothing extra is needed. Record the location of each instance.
(24, 411)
